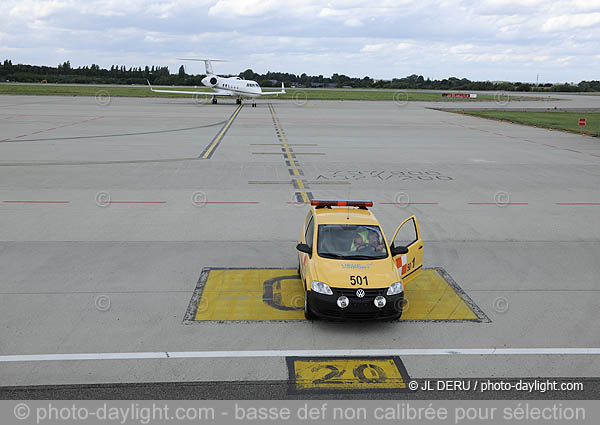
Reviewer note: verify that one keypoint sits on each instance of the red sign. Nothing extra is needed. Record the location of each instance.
(464, 95)
(581, 122)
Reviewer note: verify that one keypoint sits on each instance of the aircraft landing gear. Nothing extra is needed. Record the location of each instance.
(254, 104)
(214, 100)
(238, 101)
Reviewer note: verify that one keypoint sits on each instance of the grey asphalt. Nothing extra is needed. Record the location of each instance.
(280, 390)
(531, 266)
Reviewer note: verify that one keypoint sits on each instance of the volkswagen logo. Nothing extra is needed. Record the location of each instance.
(360, 293)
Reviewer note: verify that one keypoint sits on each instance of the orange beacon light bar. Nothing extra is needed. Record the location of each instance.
(324, 203)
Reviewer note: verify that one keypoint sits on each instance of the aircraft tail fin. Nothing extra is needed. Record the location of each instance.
(207, 63)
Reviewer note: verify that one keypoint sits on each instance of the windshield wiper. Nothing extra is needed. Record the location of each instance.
(362, 257)
(349, 257)
(331, 255)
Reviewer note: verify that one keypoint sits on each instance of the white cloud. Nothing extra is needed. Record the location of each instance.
(388, 47)
(462, 48)
(9, 49)
(404, 46)
(36, 9)
(243, 8)
(512, 3)
(327, 12)
(486, 39)
(569, 22)
(586, 5)
(353, 22)
(162, 10)
(374, 47)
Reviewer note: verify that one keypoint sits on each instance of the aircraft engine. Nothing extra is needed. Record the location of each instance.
(210, 81)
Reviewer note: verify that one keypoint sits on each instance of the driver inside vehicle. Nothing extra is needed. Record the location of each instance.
(367, 242)
(374, 244)
(359, 242)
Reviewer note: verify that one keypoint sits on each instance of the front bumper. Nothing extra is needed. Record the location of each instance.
(325, 306)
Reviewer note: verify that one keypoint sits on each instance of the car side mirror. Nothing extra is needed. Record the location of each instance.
(302, 247)
(397, 250)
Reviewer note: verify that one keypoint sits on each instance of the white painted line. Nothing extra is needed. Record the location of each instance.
(301, 353)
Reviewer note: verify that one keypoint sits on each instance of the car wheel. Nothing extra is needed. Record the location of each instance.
(307, 311)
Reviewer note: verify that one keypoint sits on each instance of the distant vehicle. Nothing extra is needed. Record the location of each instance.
(225, 86)
(348, 269)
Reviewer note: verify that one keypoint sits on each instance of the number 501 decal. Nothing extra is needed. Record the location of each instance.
(358, 280)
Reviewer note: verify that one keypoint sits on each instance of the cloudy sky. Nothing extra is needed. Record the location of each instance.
(478, 39)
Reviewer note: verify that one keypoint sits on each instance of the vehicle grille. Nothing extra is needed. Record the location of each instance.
(370, 294)
(363, 311)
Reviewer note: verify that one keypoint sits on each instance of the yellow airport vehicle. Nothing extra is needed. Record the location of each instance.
(348, 269)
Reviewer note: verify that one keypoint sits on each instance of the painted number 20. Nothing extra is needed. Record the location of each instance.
(365, 373)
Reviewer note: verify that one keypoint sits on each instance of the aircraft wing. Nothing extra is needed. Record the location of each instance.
(266, 93)
(200, 93)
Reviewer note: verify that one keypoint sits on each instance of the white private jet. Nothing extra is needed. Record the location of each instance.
(222, 86)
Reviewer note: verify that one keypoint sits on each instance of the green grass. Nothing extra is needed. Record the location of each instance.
(556, 120)
(82, 90)
(299, 94)
(398, 96)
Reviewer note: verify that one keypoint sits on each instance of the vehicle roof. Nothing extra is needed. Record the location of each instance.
(344, 215)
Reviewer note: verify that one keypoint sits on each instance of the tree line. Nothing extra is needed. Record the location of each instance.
(160, 75)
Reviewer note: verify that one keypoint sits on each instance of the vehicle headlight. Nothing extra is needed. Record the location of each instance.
(395, 289)
(343, 301)
(379, 301)
(321, 288)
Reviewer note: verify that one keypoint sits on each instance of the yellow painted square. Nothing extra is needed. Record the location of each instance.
(430, 297)
(278, 294)
(347, 374)
(239, 294)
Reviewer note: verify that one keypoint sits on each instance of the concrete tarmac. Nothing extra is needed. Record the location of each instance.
(108, 216)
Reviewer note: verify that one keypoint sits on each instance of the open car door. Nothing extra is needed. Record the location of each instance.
(407, 235)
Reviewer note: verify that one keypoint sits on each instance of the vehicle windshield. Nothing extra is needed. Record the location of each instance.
(350, 242)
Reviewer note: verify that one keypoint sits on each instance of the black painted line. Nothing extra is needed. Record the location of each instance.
(139, 133)
(190, 313)
(310, 196)
(279, 144)
(322, 182)
(297, 170)
(302, 195)
(271, 299)
(277, 390)
(291, 152)
(297, 186)
(269, 182)
(482, 317)
(287, 182)
(134, 161)
(208, 152)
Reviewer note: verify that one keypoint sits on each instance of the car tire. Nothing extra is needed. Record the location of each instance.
(308, 314)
